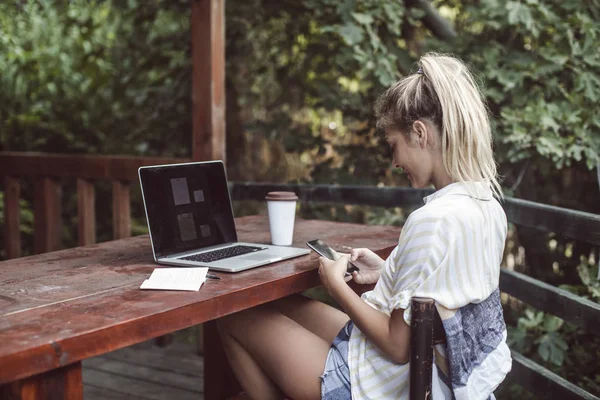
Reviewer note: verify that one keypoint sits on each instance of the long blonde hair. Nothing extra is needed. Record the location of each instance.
(444, 93)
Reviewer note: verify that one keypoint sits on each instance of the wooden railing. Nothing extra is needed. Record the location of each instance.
(47, 171)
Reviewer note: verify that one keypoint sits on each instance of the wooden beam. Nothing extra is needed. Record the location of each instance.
(65, 383)
(219, 380)
(573, 224)
(347, 194)
(47, 215)
(208, 79)
(543, 382)
(12, 217)
(84, 166)
(121, 210)
(86, 211)
(572, 308)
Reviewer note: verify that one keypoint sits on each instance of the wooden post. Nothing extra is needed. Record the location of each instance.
(208, 84)
(421, 348)
(121, 210)
(47, 215)
(219, 380)
(60, 384)
(208, 79)
(86, 211)
(12, 217)
(200, 339)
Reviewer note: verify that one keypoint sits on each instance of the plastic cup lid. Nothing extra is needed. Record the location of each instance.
(281, 196)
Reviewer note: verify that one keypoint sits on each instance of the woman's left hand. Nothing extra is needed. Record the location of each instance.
(333, 273)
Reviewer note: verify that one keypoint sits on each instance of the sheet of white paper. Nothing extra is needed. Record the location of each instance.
(176, 279)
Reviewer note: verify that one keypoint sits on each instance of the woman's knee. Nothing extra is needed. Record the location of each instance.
(244, 318)
(292, 302)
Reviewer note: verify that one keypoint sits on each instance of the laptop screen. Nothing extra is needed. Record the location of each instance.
(187, 206)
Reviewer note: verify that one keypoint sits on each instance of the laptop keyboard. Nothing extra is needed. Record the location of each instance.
(221, 254)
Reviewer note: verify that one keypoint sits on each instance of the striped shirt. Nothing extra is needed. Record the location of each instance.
(449, 250)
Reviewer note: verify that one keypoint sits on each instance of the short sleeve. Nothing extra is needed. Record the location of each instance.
(422, 251)
(402, 300)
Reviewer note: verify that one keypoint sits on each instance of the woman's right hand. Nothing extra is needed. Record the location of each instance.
(369, 264)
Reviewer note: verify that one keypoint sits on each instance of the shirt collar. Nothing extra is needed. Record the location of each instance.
(475, 190)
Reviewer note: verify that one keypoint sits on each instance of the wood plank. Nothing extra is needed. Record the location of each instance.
(187, 363)
(543, 382)
(69, 274)
(161, 375)
(60, 384)
(93, 167)
(347, 194)
(91, 392)
(64, 276)
(208, 79)
(99, 294)
(573, 224)
(86, 211)
(47, 215)
(121, 210)
(134, 387)
(572, 308)
(12, 217)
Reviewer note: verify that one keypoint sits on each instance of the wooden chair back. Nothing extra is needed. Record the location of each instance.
(426, 330)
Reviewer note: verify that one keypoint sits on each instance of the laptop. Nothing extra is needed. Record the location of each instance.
(190, 219)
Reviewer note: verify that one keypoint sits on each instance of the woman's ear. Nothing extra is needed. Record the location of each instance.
(421, 133)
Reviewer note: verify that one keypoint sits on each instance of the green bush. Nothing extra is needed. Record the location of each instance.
(95, 77)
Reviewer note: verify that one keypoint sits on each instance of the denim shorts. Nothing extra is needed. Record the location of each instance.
(335, 381)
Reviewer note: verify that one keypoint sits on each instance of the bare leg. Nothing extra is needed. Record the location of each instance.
(249, 374)
(290, 356)
(319, 318)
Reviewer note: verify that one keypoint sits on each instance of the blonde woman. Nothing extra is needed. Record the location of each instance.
(437, 127)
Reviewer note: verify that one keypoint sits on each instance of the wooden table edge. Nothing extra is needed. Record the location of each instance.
(68, 351)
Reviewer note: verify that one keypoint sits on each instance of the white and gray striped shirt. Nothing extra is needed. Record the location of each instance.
(449, 250)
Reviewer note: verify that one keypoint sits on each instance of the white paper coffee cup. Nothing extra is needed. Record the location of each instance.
(282, 213)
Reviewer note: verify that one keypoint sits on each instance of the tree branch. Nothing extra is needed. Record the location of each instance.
(438, 25)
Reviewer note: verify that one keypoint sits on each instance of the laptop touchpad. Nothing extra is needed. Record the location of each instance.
(262, 256)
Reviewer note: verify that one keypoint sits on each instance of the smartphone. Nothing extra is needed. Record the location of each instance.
(324, 250)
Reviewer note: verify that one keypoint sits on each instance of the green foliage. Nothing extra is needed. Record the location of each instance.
(368, 29)
(563, 348)
(94, 77)
(588, 272)
(299, 69)
(539, 329)
(542, 75)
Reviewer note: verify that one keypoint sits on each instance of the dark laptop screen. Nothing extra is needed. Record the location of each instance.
(187, 206)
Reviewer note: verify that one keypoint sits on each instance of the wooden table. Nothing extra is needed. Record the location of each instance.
(60, 308)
